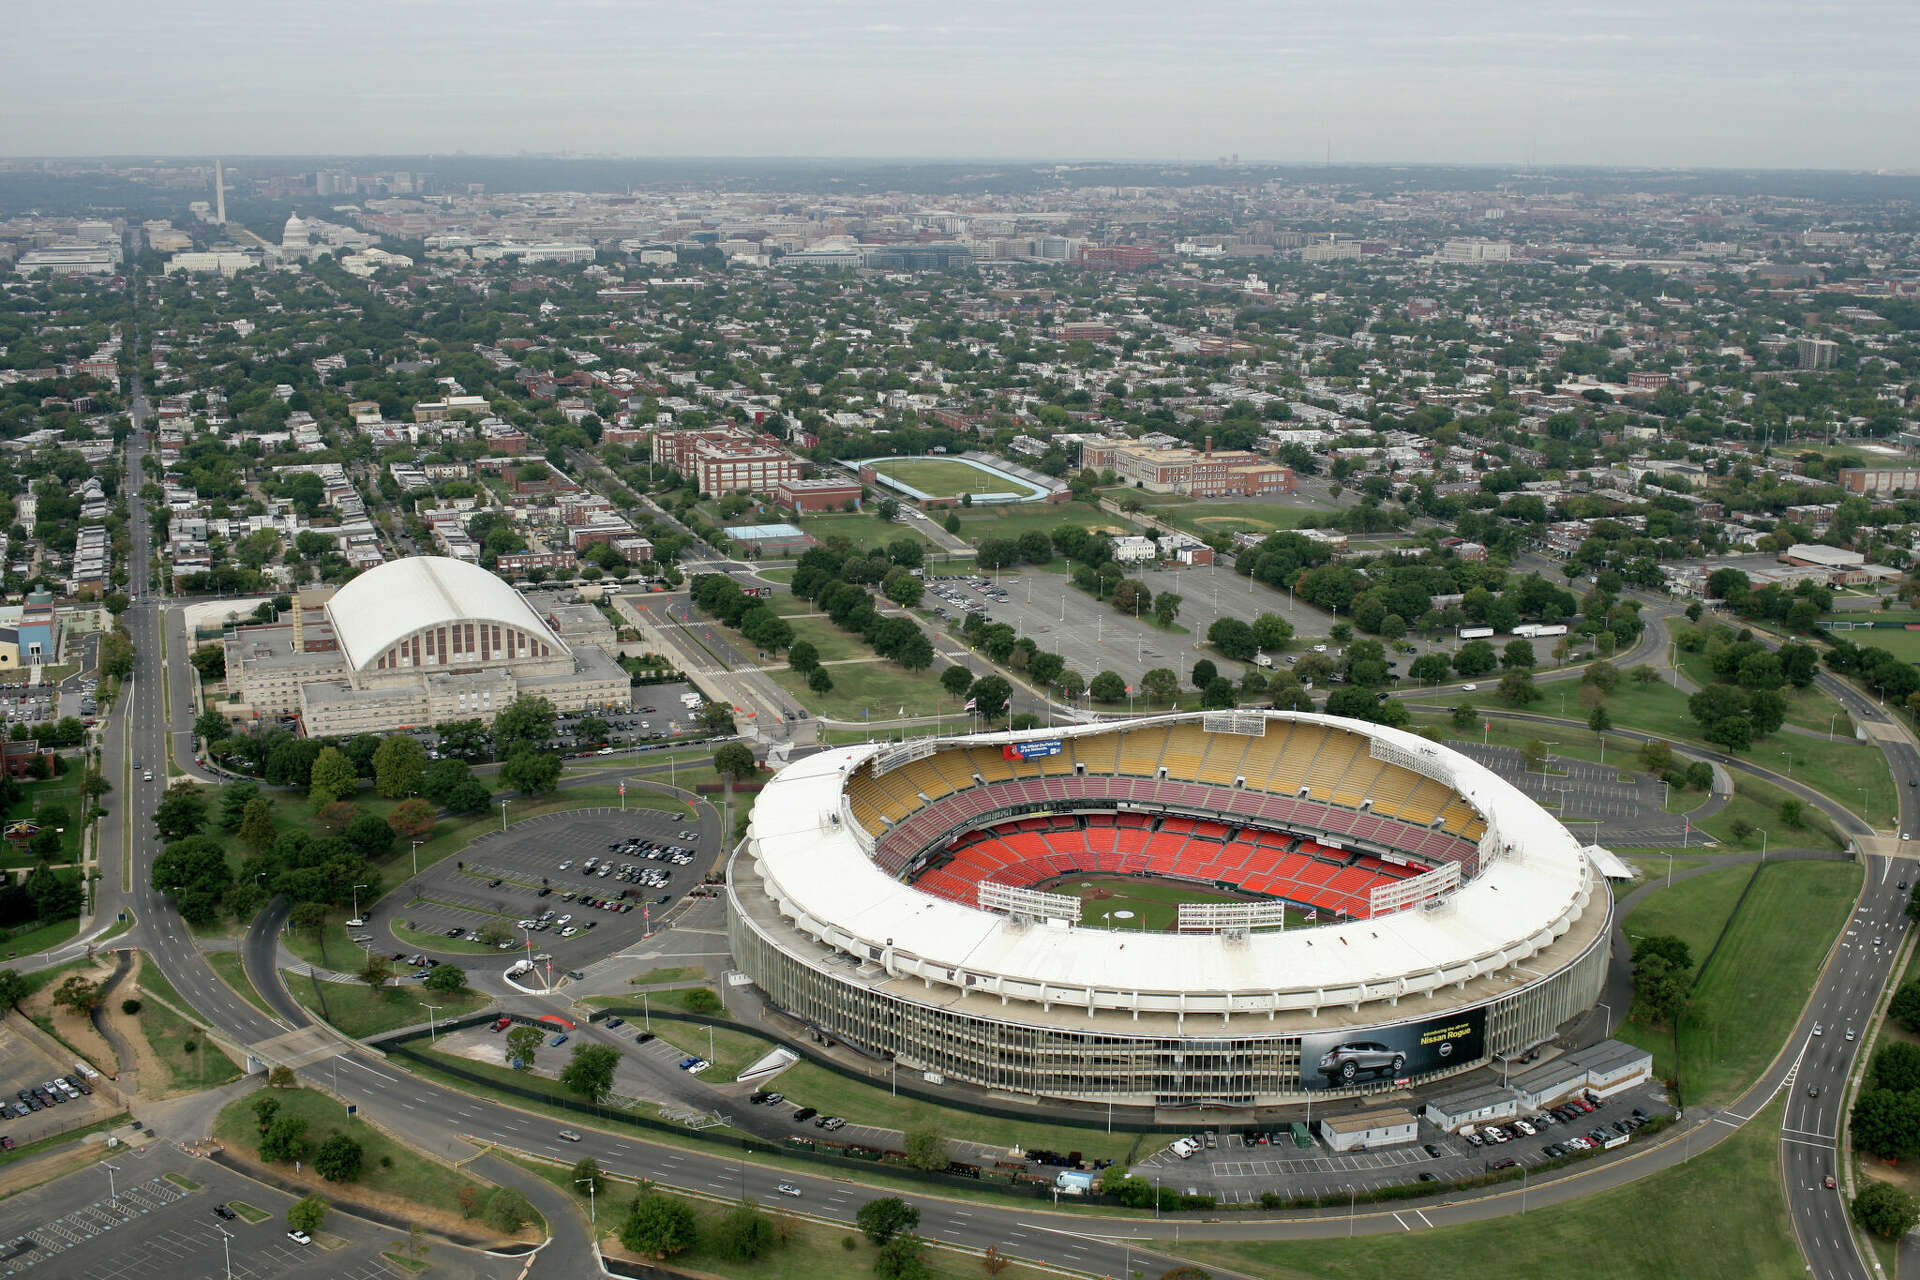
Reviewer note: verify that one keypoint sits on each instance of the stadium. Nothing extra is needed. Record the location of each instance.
(1341, 907)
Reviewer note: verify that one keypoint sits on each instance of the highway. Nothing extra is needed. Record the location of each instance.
(438, 1118)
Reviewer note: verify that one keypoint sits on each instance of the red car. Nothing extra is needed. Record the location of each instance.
(501, 1024)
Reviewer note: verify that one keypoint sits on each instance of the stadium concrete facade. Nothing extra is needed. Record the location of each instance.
(420, 641)
(918, 902)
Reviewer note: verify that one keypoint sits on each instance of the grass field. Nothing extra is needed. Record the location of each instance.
(1011, 522)
(233, 973)
(357, 1010)
(1902, 644)
(945, 477)
(1810, 708)
(191, 1060)
(388, 1168)
(1153, 904)
(1652, 1229)
(865, 531)
(672, 973)
(40, 797)
(1750, 992)
(878, 687)
(833, 643)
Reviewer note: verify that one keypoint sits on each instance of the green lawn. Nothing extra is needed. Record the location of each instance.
(833, 643)
(38, 797)
(944, 477)
(1011, 522)
(389, 1167)
(191, 1060)
(879, 687)
(1810, 708)
(865, 531)
(233, 973)
(1204, 518)
(1752, 990)
(1694, 910)
(41, 938)
(1720, 1216)
(672, 973)
(357, 1010)
(1154, 903)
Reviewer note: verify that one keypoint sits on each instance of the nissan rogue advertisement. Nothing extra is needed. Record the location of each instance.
(1345, 1060)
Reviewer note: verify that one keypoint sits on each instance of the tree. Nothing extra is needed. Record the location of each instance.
(734, 761)
(182, 812)
(1160, 682)
(285, 1140)
(339, 1159)
(13, 988)
(451, 785)
(1662, 976)
(257, 830)
(743, 1233)
(587, 1178)
(1885, 1210)
(1517, 688)
(281, 1077)
(1904, 1007)
(955, 680)
(903, 588)
(449, 979)
(1232, 637)
(1476, 658)
(369, 836)
(1108, 686)
(1518, 656)
(819, 681)
(658, 1226)
(308, 1214)
(1463, 716)
(1204, 673)
(700, 1000)
(1600, 721)
(531, 772)
(412, 819)
(589, 1072)
(991, 695)
(901, 1258)
(264, 1107)
(803, 656)
(1431, 666)
(1645, 675)
(1166, 607)
(399, 766)
(1218, 694)
(507, 1210)
(1272, 632)
(1897, 1066)
(78, 995)
(522, 1043)
(885, 1218)
(210, 726)
(926, 1145)
(375, 972)
(527, 720)
(334, 778)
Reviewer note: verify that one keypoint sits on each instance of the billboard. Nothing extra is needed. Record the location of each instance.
(1341, 1060)
(1031, 750)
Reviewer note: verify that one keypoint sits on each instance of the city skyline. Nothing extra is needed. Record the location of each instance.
(1773, 86)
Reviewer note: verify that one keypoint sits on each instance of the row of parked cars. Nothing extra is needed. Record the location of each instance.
(767, 1097)
(49, 1093)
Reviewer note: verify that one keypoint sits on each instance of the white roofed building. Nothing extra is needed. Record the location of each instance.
(418, 641)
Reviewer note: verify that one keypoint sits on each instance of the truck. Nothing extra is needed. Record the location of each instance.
(1537, 630)
(1263, 660)
(1074, 1183)
(519, 967)
(1475, 633)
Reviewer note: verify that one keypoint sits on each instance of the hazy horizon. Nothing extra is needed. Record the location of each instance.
(1698, 84)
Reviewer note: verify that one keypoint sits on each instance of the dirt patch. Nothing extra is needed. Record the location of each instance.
(1094, 893)
(74, 1028)
(153, 1078)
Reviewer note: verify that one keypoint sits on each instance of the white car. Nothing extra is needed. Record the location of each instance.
(299, 1237)
(788, 1189)
(1469, 687)
(563, 920)
(149, 775)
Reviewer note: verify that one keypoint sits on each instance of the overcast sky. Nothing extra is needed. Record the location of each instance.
(1687, 82)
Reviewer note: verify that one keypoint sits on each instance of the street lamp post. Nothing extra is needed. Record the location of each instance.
(1349, 1211)
(1788, 757)
(111, 1169)
(433, 1024)
(1763, 845)
(593, 1204)
(1669, 868)
(503, 815)
(416, 857)
(1830, 723)
(226, 1247)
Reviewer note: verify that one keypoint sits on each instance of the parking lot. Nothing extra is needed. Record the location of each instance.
(540, 868)
(24, 1066)
(1238, 1168)
(81, 1227)
(1582, 793)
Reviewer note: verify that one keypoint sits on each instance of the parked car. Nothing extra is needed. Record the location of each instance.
(299, 1237)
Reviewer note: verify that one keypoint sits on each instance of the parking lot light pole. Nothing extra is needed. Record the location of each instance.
(503, 815)
(416, 857)
(1763, 846)
(226, 1247)
(593, 1207)
(356, 900)
(1350, 1195)
(433, 1025)
(111, 1169)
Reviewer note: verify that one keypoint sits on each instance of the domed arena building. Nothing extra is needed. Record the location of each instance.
(1230, 908)
(409, 643)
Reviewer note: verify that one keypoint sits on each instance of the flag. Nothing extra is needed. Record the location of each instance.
(623, 786)
(1314, 914)
(1487, 725)
(1007, 705)
(970, 705)
(903, 711)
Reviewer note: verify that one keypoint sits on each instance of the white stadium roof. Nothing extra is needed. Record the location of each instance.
(400, 597)
(1529, 892)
